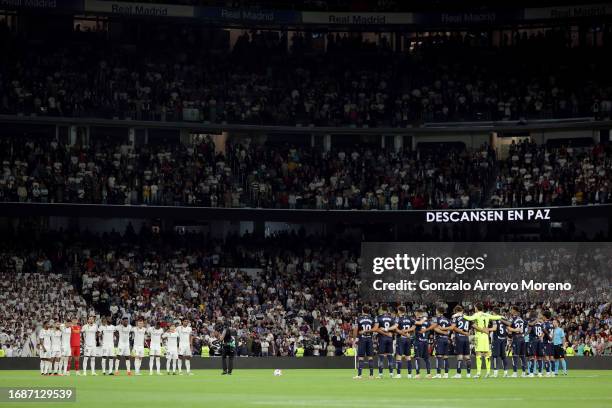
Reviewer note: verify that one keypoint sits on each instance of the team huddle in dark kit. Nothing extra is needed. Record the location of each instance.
(534, 341)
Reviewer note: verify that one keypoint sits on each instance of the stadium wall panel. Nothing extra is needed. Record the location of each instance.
(449, 128)
(288, 363)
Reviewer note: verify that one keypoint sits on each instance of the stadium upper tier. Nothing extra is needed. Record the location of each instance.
(281, 78)
(252, 175)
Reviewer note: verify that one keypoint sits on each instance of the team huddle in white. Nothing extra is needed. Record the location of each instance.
(59, 343)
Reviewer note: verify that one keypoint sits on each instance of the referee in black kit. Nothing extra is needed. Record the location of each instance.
(228, 348)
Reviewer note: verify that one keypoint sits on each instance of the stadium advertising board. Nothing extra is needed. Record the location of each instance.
(478, 271)
(226, 14)
(42, 4)
(356, 19)
(138, 9)
(477, 17)
(577, 11)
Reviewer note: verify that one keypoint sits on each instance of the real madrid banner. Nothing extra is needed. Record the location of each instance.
(139, 9)
(246, 15)
(577, 11)
(357, 19)
(469, 17)
(43, 5)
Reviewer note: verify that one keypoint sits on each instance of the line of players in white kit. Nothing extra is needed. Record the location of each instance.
(60, 343)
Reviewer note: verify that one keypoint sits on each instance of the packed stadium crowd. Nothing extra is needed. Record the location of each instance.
(535, 175)
(294, 296)
(284, 293)
(273, 79)
(246, 175)
(27, 299)
(288, 291)
(249, 174)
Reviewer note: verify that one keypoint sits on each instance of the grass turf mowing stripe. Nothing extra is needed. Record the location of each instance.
(316, 388)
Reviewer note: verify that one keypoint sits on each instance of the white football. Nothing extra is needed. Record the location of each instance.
(278, 373)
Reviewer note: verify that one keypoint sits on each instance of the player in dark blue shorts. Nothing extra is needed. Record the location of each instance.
(536, 336)
(385, 326)
(461, 329)
(532, 343)
(517, 331)
(421, 345)
(442, 340)
(499, 343)
(547, 345)
(363, 332)
(403, 341)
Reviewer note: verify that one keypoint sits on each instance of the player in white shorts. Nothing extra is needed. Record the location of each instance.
(66, 349)
(171, 337)
(90, 331)
(155, 347)
(185, 344)
(56, 347)
(123, 346)
(139, 338)
(44, 349)
(108, 346)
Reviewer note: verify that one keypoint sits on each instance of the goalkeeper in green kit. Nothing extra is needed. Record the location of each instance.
(482, 344)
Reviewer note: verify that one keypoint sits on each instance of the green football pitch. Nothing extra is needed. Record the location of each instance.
(318, 388)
